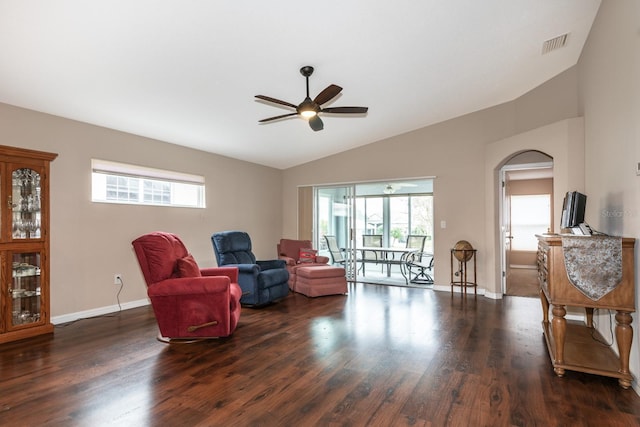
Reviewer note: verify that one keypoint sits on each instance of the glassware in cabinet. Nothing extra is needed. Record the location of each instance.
(26, 204)
(26, 290)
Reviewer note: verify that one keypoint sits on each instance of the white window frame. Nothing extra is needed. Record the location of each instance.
(168, 188)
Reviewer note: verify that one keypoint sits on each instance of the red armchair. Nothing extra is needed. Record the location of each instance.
(289, 251)
(188, 302)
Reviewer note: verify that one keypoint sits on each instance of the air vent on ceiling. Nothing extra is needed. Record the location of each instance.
(555, 43)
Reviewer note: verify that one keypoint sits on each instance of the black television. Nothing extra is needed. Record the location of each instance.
(573, 210)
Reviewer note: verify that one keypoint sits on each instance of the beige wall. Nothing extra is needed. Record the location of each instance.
(609, 84)
(455, 153)
(90, 242)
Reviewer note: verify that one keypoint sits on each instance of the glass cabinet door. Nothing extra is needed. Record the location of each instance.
(25, 292)
(26, 204)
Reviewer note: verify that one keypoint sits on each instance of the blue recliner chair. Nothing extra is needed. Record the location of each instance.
(262, 282)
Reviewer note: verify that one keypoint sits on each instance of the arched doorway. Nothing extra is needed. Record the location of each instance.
(526, 180)
(564, 141)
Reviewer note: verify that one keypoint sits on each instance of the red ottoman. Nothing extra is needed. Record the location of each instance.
(320, 280)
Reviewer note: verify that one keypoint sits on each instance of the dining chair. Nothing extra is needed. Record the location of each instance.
(419, 268)
(415, 241)
(371, 240)
(337, 257)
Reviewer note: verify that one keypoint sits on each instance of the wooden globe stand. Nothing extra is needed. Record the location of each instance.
(463, 254)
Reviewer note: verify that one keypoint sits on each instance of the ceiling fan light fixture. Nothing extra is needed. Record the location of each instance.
(307, 109)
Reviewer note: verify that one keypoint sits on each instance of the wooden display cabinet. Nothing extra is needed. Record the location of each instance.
(24, 243)
(571, 344)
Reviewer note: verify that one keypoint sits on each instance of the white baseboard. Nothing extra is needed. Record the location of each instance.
(100, 311)
(493, 295)
(442, 288)
(458, 289)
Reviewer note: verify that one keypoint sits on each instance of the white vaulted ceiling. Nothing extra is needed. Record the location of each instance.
(186, 71)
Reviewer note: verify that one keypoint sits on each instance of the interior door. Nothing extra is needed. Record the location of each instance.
(506, 230)
(334, 208)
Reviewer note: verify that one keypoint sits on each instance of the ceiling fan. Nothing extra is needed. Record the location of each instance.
(310, 109)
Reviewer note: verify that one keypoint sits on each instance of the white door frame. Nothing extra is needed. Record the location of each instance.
(346, 233)
(504, 221)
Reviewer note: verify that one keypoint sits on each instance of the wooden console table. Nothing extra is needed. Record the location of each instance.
(571, 344)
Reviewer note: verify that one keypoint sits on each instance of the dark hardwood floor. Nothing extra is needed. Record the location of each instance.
(381, 356)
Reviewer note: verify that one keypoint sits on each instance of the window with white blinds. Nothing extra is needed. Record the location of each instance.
(114, 182)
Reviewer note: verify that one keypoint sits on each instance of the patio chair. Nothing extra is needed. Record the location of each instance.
(416, 242)
(418, 268)
(375, 257)
(337, 256)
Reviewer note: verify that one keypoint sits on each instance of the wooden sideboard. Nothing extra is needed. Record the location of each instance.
(571, 344)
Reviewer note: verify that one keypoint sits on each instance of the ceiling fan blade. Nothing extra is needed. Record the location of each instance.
(345, 110)
(277, 117)
(276, 101)
(316, 123)
(328, 94)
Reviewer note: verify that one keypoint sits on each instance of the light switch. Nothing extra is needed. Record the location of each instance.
(443, 224)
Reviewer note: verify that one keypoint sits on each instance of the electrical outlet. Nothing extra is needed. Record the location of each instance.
(117, 279)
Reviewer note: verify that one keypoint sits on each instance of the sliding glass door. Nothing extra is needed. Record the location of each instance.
(334, 217)
(394, 211)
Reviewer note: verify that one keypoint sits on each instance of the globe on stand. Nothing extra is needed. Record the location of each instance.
(463, 251)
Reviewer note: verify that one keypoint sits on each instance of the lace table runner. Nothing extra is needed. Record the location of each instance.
(593, 263)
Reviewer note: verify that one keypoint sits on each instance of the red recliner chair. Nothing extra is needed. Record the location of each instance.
(188, 302)
(290, 250)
